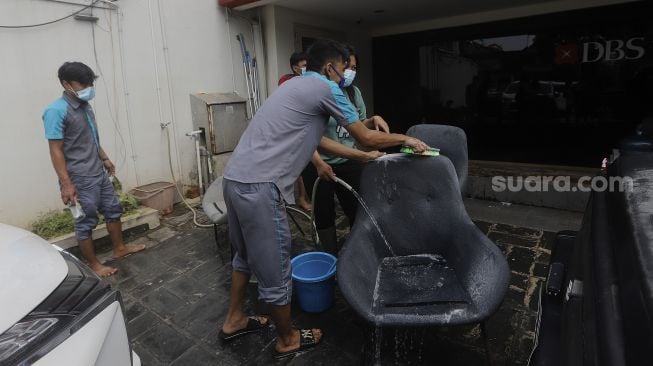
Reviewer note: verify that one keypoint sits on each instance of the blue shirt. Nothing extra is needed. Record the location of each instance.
(73, 121)
(284, 133)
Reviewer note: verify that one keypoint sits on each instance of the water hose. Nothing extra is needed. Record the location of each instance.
(177, 186)
(360, 200)
(313, 194)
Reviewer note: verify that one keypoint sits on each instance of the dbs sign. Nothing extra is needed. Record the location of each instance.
(610, 50)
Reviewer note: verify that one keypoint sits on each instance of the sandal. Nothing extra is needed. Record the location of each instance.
(253, 325)
(306, 341)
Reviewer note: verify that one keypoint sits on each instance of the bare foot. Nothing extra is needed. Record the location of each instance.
(282, 347)
(304, 204)
(127, 250)
(102, 270)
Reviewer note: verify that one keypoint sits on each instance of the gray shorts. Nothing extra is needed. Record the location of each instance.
(95, 194)
(260, 236)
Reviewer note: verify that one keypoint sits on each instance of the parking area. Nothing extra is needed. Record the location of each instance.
(176, 295)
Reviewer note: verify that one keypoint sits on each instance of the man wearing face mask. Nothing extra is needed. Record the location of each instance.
(345, 168)
(258, 182)
(297, 65)
(82, 166)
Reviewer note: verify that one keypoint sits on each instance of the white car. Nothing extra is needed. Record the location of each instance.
(54, 310)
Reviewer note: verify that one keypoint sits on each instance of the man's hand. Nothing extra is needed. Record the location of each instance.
(416, 144)
(380, 124)
(325, 171)
(68, 193)
(108, 165)
(371, 155)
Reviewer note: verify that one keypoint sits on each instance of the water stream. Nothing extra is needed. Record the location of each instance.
(376, 225)
(378, 335)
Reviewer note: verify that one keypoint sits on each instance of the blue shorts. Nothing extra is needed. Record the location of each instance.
(260, 236)
(95, 194)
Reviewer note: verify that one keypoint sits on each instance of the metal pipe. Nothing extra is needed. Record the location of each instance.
(156, 63)
(209, 164)
(199, 167)
(251, 110)
(254, 71)
(121, 47)
(195, 135)
(171, 98)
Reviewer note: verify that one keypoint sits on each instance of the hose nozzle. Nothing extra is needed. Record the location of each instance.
(343, 183)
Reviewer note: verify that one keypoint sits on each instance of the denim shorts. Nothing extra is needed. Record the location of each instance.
(95, 194)
(260, 237)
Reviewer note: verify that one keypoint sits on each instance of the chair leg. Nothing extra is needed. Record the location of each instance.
(215, 236)
(217, 242)
(296, 223)
(486, 342)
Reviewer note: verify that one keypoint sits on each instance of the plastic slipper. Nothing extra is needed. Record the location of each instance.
(253, 325)
(306, 341)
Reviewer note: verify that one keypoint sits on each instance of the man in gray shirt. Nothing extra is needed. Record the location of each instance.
(82, 166)
(258, 181)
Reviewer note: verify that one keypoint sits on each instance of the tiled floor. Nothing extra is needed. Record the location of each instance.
(176, 295)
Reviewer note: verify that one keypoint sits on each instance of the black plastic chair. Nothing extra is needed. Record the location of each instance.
(215, 208)
(452, 143)
(213, 203)
(447, 272)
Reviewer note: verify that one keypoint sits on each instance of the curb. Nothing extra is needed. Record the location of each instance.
(143, 215)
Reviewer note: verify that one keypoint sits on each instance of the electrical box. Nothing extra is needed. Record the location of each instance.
(223, 118)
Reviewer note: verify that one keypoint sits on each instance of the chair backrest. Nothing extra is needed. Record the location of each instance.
(213, 202)
(452, 143)
(416, 201)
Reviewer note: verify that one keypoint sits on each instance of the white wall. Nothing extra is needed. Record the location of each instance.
(279, 25)
(169, 48)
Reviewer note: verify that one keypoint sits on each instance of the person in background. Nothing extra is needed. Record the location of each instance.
(298, 67)
(258, 181)
(347, 169)
(82, 166)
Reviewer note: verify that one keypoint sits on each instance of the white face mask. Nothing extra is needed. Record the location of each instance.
(303, 70)
(349, 76)
(86, 94)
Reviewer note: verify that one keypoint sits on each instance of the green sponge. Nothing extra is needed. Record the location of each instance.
(431, 151)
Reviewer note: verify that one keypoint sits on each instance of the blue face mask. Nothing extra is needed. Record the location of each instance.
(86, 94)
(341, 83)
(349, 77)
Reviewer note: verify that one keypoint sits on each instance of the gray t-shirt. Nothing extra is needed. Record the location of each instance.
(73, 121)
(281, 138)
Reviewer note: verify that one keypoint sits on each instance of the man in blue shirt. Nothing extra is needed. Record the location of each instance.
(258, 182)
(82, 166)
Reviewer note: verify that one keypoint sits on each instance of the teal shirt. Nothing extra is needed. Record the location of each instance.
(336, 132)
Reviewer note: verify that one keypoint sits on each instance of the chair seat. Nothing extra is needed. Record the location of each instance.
(416, 281)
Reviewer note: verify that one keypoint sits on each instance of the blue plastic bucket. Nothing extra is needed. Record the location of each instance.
(313, 281)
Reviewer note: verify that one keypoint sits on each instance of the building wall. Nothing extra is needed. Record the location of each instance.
(152, 54)
(493, 15)
(280, 24)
